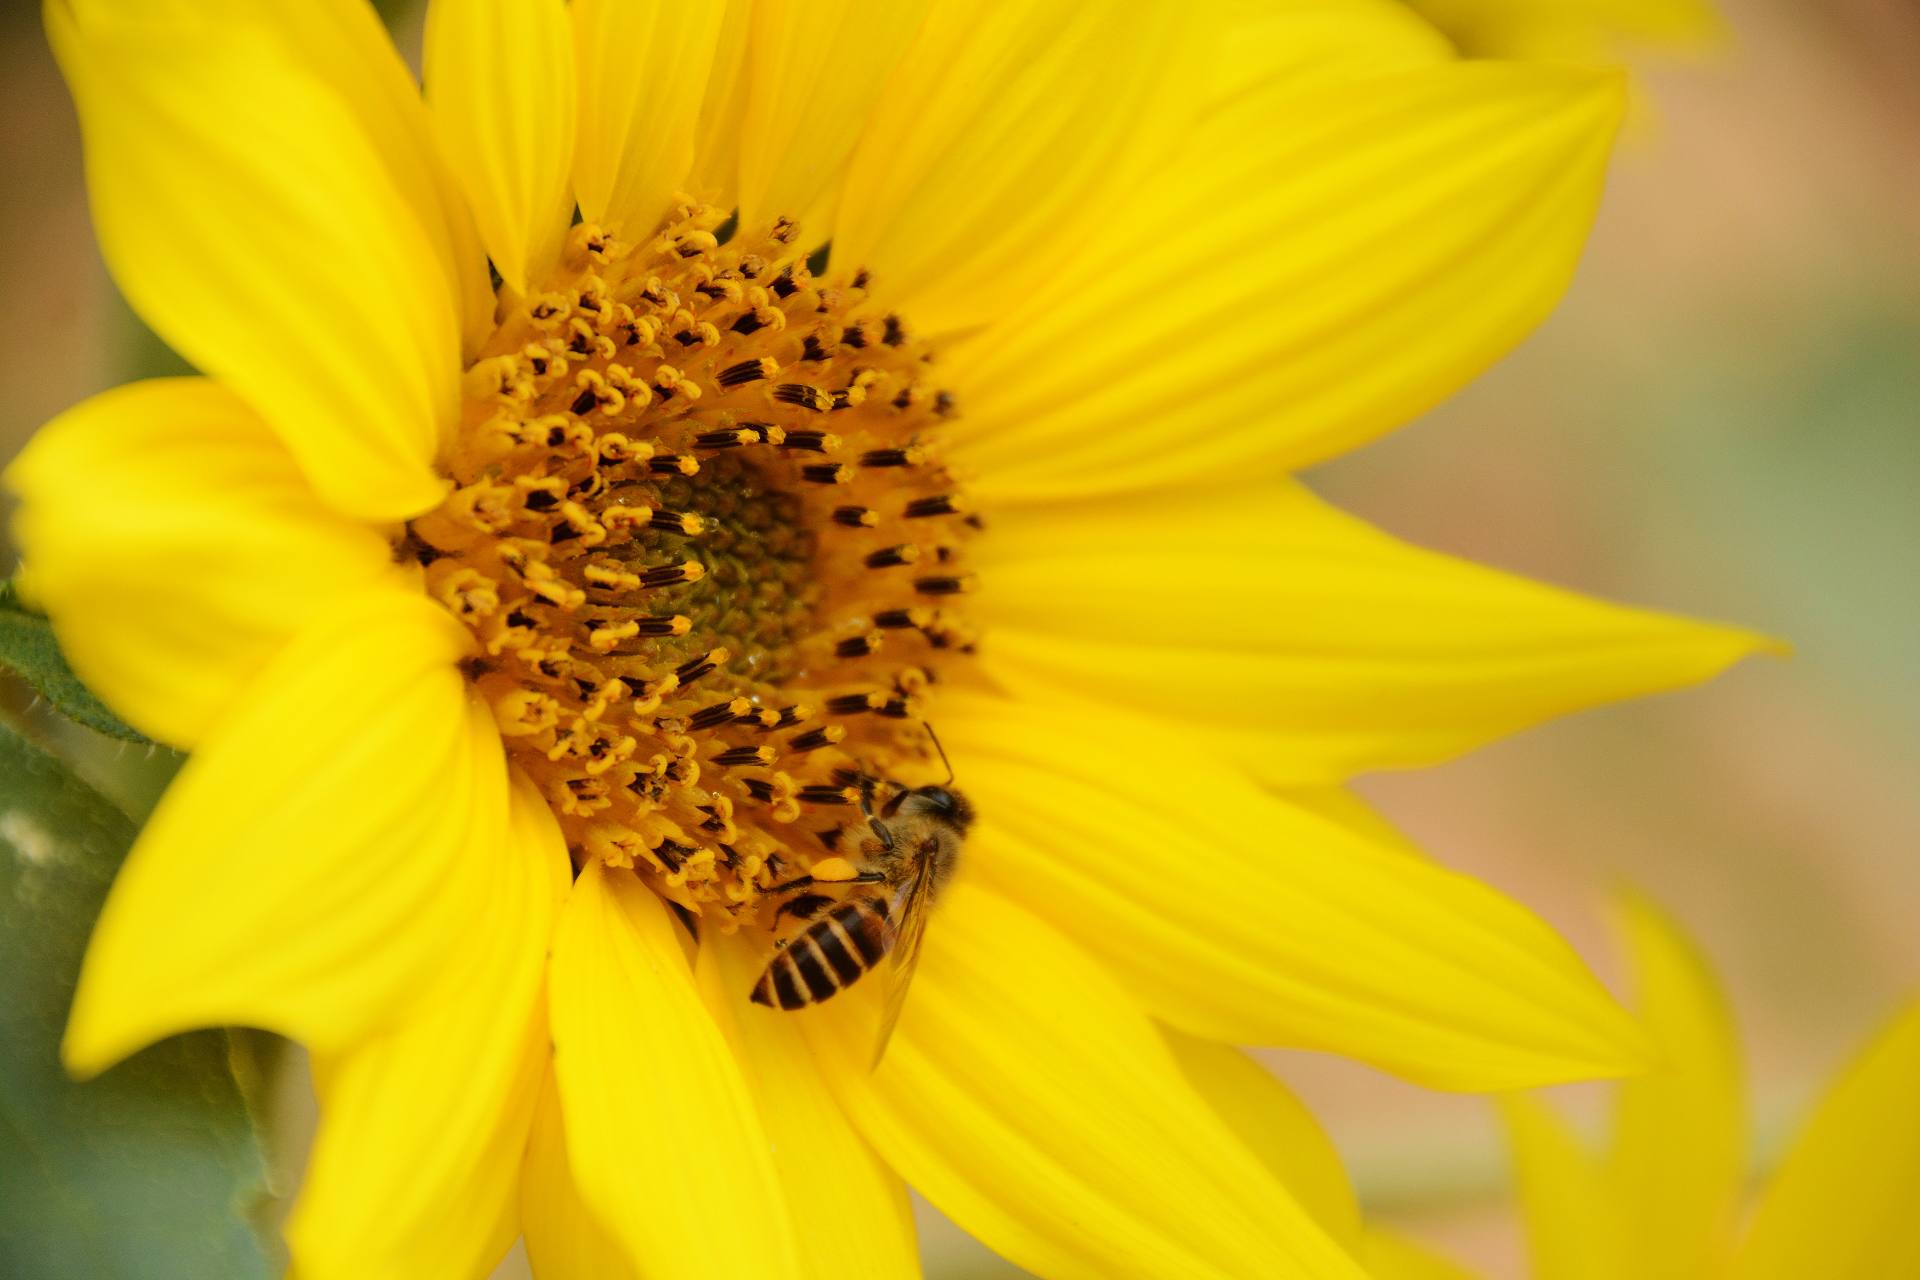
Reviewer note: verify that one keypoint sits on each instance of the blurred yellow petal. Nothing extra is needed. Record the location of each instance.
(829, 1171)
(1235, 916)
(415, 1170)
(306, 872)
(279, 256)
(564, 1240)
(815, 70)
(1342, 806)
(1841, 1205)
(177, 546)
(1317, 269)
(645, 70)
(666, 1142)
(1276, 1126)
(1572, 1226)
(1307, 44)
(1678, 1155)
(500, 83)
(1391, 1257)
(1570, 29)
(1027, 1097)
(1006, 130)
(1302, 641)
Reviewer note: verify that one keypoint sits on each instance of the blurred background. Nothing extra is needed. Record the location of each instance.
(1723, 418)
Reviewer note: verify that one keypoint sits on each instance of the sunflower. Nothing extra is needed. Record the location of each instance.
(536, 633)
(1663, 1200)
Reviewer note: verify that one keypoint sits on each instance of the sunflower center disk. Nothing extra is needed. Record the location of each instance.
(708, 552)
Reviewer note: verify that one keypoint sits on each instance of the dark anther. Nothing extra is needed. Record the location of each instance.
(664, 576)
(940, 586)
(670, 521)
(541, 500)
(826, 473)
(820, 793)
(809, 441)
(693, 669)
(854, 517)
(806, 397)
(920, 508)
(708, 717)
(885, 458)
(734, 756)
(890, 557)
(760, 789)
(811, 740)
(855, 647)
(848, 704)
(739, 375)
(749, 323)
(894, 619)
(811, 348)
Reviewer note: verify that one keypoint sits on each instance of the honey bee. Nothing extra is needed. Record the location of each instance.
(907, 856)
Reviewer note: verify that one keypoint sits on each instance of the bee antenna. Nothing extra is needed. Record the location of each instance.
(942, 750)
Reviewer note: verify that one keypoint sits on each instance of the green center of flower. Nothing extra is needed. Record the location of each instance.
(701, 534)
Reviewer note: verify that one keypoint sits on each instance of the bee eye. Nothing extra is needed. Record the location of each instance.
(938, 798)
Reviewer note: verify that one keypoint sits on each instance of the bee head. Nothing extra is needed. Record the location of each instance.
(940, 802)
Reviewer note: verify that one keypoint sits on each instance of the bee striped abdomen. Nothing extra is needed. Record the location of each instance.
(827, 956)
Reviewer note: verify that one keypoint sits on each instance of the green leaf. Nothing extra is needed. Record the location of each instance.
(28, 649)
(150, 1170)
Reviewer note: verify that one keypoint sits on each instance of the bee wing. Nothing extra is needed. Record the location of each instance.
(911, 926)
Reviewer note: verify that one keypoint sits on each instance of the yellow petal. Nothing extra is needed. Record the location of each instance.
(1027, 1097)
(1005, 131)
(1306, 44)
(500, 82)
(644, 76)
(177, 546)
(415, 1170)
(1679, 1135)
(1572, 1225)
(816, 70)
(716, 153)
(1317, 269)
(251, 220)
(666, 1141)
(1235, 916)
(1841, 1205)
(565, 1241)
(1391, 1257)
(344, 44)
(1303, 642)
(830, 1173)
(1276, 1126)
(303, 872)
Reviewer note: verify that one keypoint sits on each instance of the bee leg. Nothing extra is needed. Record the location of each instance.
(878, 827)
